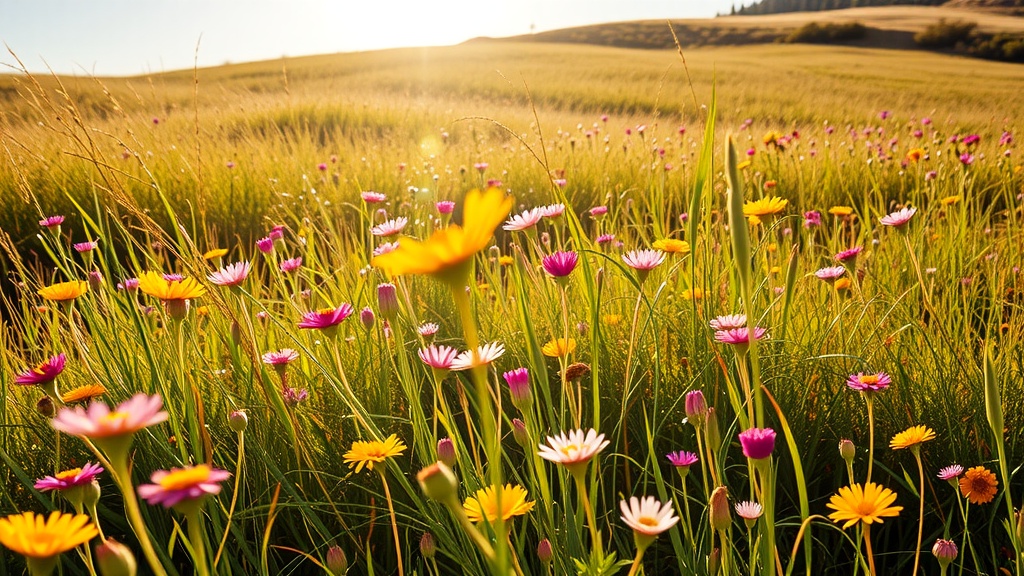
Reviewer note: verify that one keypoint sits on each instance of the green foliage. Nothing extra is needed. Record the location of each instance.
(945, 34)
(826, 33)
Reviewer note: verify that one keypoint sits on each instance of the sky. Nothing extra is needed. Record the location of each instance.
(130, 37)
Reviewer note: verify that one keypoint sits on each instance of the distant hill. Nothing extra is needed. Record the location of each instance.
(783, 6)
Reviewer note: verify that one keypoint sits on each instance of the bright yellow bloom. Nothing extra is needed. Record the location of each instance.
(157, 286)
(449, 251)
(672, 246)
(979, 485)
(840, 210)
(64, 291)
(912, 437)
(744, 165)
(949, 200)
(484, 504)
(506, 260)
(83, 393)
(843, 283)
(915, 154)
(693, 294)
(37, 536)
(559, 347)
(612, 319)
(368, 453)
(771, 138)
(753, 220)
(215, 253)
(766, 206)
(868, 504)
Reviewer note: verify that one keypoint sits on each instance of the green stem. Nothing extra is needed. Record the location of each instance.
(234, 498)
(637, 561)
(871, 434)
(198, 541)
(394, 522)
(119, 470)
(595, 538)
(920, 517)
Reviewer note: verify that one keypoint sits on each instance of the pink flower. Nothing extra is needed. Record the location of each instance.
(729, 322)
(950, 472)
(277, 232)
(739, 336)
(850, 254)
(391, 227)
(439, 357)
(99, 422)
(862, 382)
(523, 221)
(384, 248)
(129, 284)
(812, 218)
(518, 381)
(757, 443)
(280, 357)
(552, 210)
(265, 245)
(898, 218)
(295, 396)
(445, 207)
(51, 222)
(326, 318)
(45, 372)
(291, 265)
(428, 329)
(598, 211)
(321, 166)
(373, 197)
(605, 238)
(748, 510)
(230, 275)
(560, 264)
(177, 485)
(70, 478)
(480, 166)
(696, 407)
(967, 159)
(85, 246)
(830, 274)
(646, 259)
(682, 459)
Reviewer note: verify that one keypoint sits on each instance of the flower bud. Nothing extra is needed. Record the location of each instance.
(518, 381)
(696, 408)
(115, 559)
(714, 561)
(91, 494)
(428, 546)
(718, 509)
(45, 407)
(236, 333)
(575, 371)
(438, 482)
(336, 561)
(945, 552)
(545, 552)
(714, 437)
(446, 452)
(522, 437)
(366, 317)
(847, 450)
(387, 301)
(238, 421)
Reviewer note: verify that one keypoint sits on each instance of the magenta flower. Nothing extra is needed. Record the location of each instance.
(230, 275)
(326, 319)
(85, 246)
(729, 322)
(682, 459)
(291, 264)
(445, 207)
(51, 222)
(849, 255)
(44, 373)
(812, 218)
(560, 264)
(598, 211)
(951, 472)
(643, 260)
(967, 159)
(177, 485)
(265, 245)
(67, 479)
(862, 382)
(1006, 139)
(172, 277)
(899, 218)
(277, 232)
(280, 357)
(696, 408)
(739, 336)
(605, 238)
(99, 422)
(494, 183)
(390, 227)
(438, 357)
(830, 274)
(373, 197)
(518, 381)
(757, 443)
(527, 219)
(295, 396)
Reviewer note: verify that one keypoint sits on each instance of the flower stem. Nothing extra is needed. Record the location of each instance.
(870, 553)
(871, 435)
(581, 485)
(637, 561)
(119, 470)
(920, 517)
(394, 522)
(198, 541)
(234, 498)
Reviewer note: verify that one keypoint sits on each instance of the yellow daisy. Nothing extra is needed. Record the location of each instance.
(915, 154)
(484, 504)
(979, 485)
(766, 206)
(39, 537)
(559, 347)
(867, 504)
(693, 294)
(215, 253)
(840, 210)
(64, 291)
(506, 260)
(157, 286)
(949, 200)
(672, 246)
(373, 452)
(83, 393)
(912, 437)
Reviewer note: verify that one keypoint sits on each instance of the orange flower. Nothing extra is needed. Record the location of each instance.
(979, 485)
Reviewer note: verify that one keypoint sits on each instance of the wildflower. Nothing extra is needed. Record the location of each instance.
(604, 238)
(326, 319)
(739, 336)
(230, 275)
(544, 552)
(868, 504)
(428, 329)
(84, 393)
(484, 504)
(384, 248)
(945, 551)
(448, 252)
(598, 211)
(445, 207)
(175, 292)
(485, 354)
(862, 382)
(446, 451)
(672, 246)
(115, 559)
(643, 261)
(215, 253)
(560, 264)
(291, 264)
(518, 381)
(524, 221)
(812, 218)
(847, 450)
(387, 300)
(849, 255)
(647, 516)
(575, 371)
(718, 509)
(757, 443)
(552, 210)
(295, 396)
(438, 482)
(949, 200)
(70, 479)
(64, 291)
(44, 373)
(177, 486)
(841, 211)
(366, 454)
(750, 511)
(506, 260)
(682, 461)
(83, 247)
(280, 357)
(372, 197)
(915, 154)
(438, 357)
(559, 347)
(41, 539)
(830, 274)
(950, 473)
(390, 227)
(573, 450)
(728, 322)
(912, 438)
(519, 433)
(265, 245)
(52, 222)
(128, 284)
(238, 420)
(979, 485)
(899, 218)
(112, 430)
(767, 206)
(696, 408)
(692, 294)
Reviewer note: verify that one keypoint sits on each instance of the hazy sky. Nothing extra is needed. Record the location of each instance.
(125, 37)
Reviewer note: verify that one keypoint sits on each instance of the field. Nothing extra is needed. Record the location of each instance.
(304, 171)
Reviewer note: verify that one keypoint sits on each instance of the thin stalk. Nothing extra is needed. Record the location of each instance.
(637, 561)
(122, 478)
(198, 541)
(234, 498)
(871, 434)
(595, 538)
(920, 517)
(394, 522)
(870, 553)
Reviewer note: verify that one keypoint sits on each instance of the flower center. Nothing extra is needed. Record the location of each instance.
(68, 474)
(325, 311)
(185, 478)
(647, 521)
(114, 418)
(864, 508)
(869, 379)
(569, 448)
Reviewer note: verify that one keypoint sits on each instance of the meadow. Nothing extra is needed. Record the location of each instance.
(296, 258)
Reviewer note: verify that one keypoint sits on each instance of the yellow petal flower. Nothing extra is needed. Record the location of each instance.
(867, 504)
(484, 504)
(64, 291)
(38, 536)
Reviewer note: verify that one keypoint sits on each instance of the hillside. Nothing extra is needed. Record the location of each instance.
(783, 6)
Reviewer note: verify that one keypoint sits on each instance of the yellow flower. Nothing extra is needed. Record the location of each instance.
(203, 311)
(912, 437)
(842, 283)
(840, 210)
(979, 485)
(766, 206)
(36, 536)
(744, 165)
(915, 154)
(753, 220)
(506, 260)
(83, 393)
(867, 504)
(367, 453)
(448, 252)
(771, 138)
(612, 319)
(157, 286)
(559, 347)
(775, 270)
(484, 504)
(949, 200)
(64, 291)
(693, 294)
(672, 246)
(215, 253)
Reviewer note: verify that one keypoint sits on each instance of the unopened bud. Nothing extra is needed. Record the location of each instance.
(696, 408)
(238, 420)
(115, 559)
(544, 551)
(45, 406)
(522, 437)
(438, 482)
(718, 509)
(337, 563)
(713, 435)
(945, 551)
(446, 452)
(714, 560)
(387, 301)
(236, 333)
(518, 381)
(428, 546)
(847, 450)
(91, 494)
(366, 317)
